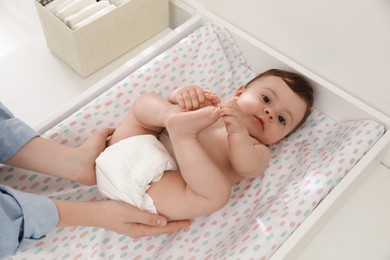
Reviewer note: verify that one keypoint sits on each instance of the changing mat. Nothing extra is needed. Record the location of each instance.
(262, 212)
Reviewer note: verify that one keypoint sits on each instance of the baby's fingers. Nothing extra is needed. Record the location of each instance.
(212, 98)
(193, 98)
(188, 102)
(196, 98)
(180, 102)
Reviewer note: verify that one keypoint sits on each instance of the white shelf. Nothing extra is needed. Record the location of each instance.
(361, 228)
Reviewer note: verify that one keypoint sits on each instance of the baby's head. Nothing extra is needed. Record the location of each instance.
(285, 103)
(298, 84)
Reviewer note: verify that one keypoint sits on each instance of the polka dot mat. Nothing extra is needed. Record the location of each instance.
(262, 212)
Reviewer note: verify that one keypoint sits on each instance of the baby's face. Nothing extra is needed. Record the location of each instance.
(271, 110)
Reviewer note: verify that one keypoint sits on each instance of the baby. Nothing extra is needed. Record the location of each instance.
(215, 144)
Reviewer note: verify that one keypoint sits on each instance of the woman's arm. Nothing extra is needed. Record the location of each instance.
(78, 164)
(26, 218)
(117, 216)
(75, 164)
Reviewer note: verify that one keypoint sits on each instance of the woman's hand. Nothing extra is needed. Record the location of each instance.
(87, 154)
(193, 97)
(117, 216)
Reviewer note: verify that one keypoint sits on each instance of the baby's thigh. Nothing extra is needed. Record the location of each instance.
(175, 200)
(130, 126)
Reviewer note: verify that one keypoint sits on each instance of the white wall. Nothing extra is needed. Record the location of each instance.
(347, 42)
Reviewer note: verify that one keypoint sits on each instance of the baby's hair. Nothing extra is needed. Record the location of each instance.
(297, 83)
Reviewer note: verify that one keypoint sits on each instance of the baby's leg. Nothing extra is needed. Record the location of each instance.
(207, 186)
(147, 116)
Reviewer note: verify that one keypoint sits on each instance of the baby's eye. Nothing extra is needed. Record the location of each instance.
(266, 99)
(282, 120)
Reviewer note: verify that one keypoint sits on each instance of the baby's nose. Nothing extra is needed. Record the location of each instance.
(268, 112)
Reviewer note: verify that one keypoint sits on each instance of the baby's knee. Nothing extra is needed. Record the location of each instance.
(144, 99)
(144, 104)
(148, 96)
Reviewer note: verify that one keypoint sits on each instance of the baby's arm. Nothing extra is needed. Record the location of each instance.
(248, 158)
(193, 97)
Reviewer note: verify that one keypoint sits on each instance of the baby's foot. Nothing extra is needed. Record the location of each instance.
(193, 122)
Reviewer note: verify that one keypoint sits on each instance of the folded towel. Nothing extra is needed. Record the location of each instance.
(75, 18)
(54, 5)
(63, 4)
(93, 17)
(72, 8)
(118, 2)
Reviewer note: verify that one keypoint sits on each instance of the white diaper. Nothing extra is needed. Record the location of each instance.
(125, 170)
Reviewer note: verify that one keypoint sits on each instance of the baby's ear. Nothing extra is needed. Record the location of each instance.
(239, 91)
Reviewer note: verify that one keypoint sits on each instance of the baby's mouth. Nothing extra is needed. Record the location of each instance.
(260, 122)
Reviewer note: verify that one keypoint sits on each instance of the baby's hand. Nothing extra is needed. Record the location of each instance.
(231, 115)
(193, 97)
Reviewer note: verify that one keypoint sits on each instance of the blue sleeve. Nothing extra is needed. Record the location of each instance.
(24, 219)
(14, 134)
